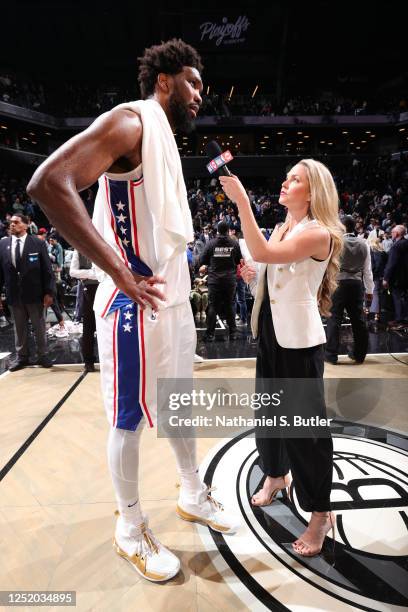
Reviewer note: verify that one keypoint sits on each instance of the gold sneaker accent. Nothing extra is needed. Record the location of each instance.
(139, 561)
(198, 519)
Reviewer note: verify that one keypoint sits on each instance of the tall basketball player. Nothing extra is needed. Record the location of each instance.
(138, 242)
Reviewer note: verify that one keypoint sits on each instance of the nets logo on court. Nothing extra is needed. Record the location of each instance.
(369, 496)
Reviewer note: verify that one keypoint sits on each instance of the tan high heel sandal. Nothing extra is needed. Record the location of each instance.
(287, 481)
(313, 553)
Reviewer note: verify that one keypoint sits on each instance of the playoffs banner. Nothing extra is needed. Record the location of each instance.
(212, 32)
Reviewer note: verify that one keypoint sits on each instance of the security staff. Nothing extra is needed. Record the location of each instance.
(355, 271)
(222, 256)
(25, 270)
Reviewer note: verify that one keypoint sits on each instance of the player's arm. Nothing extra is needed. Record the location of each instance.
(75, 166)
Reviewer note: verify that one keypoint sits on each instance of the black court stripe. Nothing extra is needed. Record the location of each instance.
(258, 591)
(404, 517)
(5, 470)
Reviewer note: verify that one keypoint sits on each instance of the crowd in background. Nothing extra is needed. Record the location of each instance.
(374, 193)
(85, 99)
(324, 103)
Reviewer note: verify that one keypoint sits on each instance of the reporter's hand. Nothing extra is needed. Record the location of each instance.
(140, 289)
(369, 299)
(385, 284)
(234, 189)
(248, 273)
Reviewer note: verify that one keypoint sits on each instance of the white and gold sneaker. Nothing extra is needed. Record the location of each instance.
(201, 507)
(144, 552)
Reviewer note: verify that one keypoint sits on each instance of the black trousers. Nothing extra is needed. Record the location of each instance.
(221, 300)
(89, 325)
(22, 314)
(349, 295)
(310, 459)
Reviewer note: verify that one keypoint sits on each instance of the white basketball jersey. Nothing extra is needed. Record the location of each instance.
(123, 218)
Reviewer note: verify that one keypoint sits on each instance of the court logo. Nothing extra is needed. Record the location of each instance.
(369, 496)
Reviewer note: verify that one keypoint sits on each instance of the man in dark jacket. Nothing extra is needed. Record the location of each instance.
(221, 255)
(25, 271)
(396, 276)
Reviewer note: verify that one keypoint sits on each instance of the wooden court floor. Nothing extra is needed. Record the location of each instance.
(57, 504)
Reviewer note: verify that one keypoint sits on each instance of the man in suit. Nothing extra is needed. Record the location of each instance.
(26, 273)
(396, 276)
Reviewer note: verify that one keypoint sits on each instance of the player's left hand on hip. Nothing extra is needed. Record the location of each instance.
(141, 289)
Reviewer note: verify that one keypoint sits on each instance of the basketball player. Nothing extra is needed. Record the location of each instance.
(142, 224)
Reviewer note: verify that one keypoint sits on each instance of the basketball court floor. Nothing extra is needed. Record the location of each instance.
(57, 504)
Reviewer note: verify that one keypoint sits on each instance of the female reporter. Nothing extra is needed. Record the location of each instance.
(294, 280)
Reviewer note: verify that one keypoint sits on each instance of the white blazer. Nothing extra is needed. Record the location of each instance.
(293, 291)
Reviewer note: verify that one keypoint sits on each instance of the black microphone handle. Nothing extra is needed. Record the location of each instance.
(224, 171)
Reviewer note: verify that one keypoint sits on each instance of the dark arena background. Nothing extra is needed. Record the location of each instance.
(283, 81)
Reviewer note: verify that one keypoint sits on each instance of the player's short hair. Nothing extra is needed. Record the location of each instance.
(169, 58)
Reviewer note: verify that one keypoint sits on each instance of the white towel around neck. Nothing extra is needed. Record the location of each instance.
(164, 182)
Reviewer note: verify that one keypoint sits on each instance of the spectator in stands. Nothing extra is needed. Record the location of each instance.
(375, 229)
(355, 267)
(18, 206)
(387, 241)
(387, 222)
(199, 246)
(378, 261)
(81, 268)
(32, 228)
(57, 259)
(396, 276)
(199, 296)
(4, 229)
(62, 331)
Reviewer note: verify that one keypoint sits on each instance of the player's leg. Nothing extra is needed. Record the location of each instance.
(195, 502)
(121, 364)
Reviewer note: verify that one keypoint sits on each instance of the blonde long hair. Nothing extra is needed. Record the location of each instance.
(375, 243)
(324, 207)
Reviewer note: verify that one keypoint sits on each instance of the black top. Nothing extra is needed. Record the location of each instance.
(221, 255)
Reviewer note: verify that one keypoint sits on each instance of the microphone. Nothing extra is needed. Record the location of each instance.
(219, 160)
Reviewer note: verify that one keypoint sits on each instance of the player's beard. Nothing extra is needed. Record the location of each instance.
(182, 121)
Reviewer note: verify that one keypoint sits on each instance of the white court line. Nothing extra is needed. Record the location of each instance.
(224, 360)
(228, 359)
